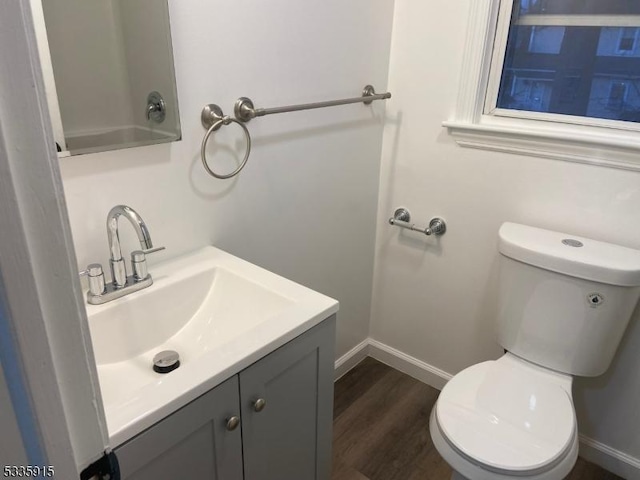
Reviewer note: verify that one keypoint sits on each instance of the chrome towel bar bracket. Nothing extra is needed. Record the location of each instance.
(212, 119)
(402, 218)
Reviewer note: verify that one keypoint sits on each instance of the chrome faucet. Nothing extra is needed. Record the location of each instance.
(118, 270)
(121, 284)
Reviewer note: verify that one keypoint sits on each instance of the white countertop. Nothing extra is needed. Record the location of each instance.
(240, 313)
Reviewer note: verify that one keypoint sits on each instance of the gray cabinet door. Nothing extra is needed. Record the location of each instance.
(290, 438)
(192, 443)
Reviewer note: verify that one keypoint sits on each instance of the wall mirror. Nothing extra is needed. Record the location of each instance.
(109, 75)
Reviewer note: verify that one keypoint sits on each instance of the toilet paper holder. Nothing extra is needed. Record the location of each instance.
(402, 218)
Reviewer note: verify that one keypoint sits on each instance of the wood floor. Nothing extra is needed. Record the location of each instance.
(381, 429)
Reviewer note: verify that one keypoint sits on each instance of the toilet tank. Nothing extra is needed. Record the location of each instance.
(564, 301)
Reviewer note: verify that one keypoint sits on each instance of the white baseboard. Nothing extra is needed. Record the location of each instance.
(350, 359)
(418, 369)
(432, 376)
(608, 458)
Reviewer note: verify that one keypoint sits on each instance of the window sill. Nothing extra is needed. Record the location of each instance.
(591, 146)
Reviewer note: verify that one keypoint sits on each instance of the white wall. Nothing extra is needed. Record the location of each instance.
(433, 298)
(305, 205)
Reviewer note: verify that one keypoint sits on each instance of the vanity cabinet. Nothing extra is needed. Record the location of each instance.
(194, 442)
(284, 402)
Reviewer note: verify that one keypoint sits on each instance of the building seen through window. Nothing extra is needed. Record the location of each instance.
(573, 57)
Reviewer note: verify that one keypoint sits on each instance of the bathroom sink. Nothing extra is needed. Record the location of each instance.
(220, 313)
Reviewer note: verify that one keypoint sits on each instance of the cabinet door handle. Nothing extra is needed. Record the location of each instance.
(233, 422)
(259, 404)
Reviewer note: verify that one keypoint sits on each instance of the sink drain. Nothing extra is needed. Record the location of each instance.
(166, 361)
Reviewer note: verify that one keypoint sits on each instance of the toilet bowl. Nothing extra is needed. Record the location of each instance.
(564, 303)
(506, 419)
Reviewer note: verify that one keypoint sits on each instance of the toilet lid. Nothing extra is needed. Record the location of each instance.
(507, 416)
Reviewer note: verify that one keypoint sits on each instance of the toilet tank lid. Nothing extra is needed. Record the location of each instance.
(570, 254)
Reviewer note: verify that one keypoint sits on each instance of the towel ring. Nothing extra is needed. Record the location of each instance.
(213, 118)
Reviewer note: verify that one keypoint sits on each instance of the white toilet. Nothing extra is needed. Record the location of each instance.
(564, 303)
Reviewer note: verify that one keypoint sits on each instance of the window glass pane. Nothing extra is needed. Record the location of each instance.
(572, 57)
(580, 7)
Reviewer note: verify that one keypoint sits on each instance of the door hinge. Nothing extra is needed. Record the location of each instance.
(106, 468)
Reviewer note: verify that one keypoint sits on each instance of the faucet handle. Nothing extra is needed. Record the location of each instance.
(151, 250)
(96, 278)
(139, 262)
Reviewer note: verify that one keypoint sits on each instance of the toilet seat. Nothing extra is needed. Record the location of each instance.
(508, 416)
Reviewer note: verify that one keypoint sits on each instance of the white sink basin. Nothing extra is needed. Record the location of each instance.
(217, 311)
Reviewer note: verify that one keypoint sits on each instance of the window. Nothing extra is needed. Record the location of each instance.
(531, 93)
(568, 40)
(628, 37)
(546, 40)
(617, 95)
(618, 41)
(559, 79)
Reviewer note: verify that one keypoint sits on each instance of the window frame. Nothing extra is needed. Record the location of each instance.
(477, 123)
